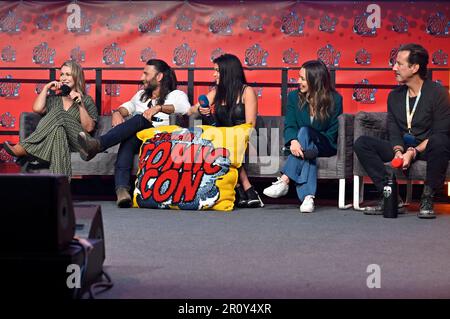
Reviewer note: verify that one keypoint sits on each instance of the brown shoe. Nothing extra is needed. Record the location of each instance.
(89, 146)
(123, 198)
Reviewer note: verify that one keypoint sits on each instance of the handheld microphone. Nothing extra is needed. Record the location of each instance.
(204, 102)
(397, 163)
(65, 91)
(156, 119)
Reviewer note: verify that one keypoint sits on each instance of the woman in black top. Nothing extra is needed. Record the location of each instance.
(233, 103)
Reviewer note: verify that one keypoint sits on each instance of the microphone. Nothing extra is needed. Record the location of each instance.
(397, 163)
(204, 102)
(156, 119)
(65, 91)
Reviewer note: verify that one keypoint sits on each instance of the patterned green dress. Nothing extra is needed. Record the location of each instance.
(56, 134)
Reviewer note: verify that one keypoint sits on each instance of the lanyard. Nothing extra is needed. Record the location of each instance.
(409, 115)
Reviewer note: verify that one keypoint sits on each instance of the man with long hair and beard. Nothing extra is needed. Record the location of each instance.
(150, 107)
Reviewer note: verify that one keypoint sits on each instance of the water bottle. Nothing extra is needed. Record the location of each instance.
(390, 197)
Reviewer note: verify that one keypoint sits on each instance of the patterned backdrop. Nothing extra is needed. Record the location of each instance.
(191, 33)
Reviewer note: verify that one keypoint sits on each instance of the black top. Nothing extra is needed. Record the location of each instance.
(230, 116)
(432, 113)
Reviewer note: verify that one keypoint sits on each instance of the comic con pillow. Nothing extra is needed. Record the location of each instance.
(192, 168)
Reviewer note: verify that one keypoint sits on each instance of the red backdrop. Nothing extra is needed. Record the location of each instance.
(189, 33)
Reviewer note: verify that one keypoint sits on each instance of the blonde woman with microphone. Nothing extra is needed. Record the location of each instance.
(65, 114)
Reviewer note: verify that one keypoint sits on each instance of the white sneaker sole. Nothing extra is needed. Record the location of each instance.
(274, 196)
(307, 209)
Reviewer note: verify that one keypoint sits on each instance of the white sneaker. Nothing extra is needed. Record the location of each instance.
(278, 189)
(308, 204)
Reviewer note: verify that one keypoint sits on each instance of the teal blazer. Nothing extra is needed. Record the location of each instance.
(296, 118)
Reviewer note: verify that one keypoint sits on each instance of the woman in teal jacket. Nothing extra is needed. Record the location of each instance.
(310, 130)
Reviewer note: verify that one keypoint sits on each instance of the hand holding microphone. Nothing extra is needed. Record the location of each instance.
(75, 96)
(67, 91)
(205, 110)
(401, 162)
(397, 162)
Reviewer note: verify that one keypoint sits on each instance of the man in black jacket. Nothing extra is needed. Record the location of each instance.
(418, 127)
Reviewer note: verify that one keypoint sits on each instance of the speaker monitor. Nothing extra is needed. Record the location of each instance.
(89, 225)
(46, 275)
(45, 218)
(36, 212)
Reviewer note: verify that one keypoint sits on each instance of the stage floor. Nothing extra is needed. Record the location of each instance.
(274, 252)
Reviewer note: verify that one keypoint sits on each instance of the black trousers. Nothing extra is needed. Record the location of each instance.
(372, 153)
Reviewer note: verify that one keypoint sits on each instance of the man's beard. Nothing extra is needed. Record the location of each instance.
(151, 86)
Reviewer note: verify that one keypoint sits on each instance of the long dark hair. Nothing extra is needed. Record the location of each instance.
(320, 89)
(168, 82)
(231, 80)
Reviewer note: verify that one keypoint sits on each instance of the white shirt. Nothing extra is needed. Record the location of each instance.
(177, 98)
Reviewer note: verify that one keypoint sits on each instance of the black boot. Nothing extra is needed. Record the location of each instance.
(379, 207)
(426, 203)
(253, 199)
(241, 197)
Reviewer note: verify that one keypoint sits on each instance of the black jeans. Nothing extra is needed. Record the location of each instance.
(373, 153)
(125, 134)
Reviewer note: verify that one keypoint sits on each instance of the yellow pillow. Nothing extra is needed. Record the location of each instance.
(192, 169)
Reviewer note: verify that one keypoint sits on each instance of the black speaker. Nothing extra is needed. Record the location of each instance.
(36, 213)
(45, 275)
(89, 225)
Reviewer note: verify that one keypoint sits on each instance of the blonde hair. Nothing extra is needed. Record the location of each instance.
(77, 75)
